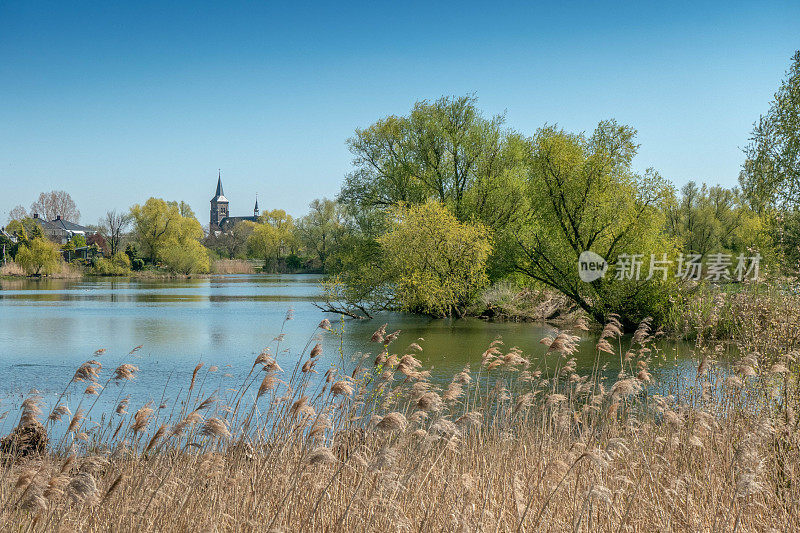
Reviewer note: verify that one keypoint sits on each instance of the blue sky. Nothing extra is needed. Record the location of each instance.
(115, 103)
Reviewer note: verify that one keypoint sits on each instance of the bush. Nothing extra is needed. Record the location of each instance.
(190, 257)
(39, 257)
(436, 265)
(293, 262)
(119, 265)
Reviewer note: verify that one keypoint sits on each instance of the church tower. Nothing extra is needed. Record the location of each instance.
(219, 206)
(256, 211)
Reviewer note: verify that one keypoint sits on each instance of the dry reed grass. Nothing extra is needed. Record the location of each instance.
(65, 271)
(68, 271)
(508, 445)
(232, 266)
(12, 269)
(506, 301)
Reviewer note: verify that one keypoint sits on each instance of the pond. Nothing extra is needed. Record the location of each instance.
(49, 327)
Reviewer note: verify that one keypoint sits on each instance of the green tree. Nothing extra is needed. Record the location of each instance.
(715, 219)
(264, 243)
(39, 257)
(78, 241)
(444, 150)
(154, 224)
(19, 228)
(36, 231)
(232, 243)
(159, 226)
(187, 257)
(770, 176)
(322, 230)
(272, 238)
(69, 248)
(433, 263)
(584, 196)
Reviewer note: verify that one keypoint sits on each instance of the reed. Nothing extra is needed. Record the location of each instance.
(12, 269)
(512, 443)
(232, 266)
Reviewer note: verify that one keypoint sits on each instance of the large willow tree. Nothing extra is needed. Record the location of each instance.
(584, 196)
(446, 151)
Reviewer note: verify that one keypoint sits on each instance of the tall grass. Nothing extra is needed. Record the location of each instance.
(232, 266)
(509, 444)
(12, 269)
(763, 317)
(507, 301)
(65, 271)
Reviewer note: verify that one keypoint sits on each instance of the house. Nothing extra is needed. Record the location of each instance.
(59, 230)
(10, 236)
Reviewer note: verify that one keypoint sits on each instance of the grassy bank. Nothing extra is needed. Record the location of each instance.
(510, 444)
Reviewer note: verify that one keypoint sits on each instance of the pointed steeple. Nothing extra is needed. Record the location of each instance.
(219, 183)
(256, 212)
(219, 205)
(219, 197)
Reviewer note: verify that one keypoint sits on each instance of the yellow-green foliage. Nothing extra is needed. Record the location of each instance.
(118, 265)
(39, 257)
(170, 233)
(190, 257)
(271, 236)
(435, 263)
(263, 242)
(714, 219)
(584, 195)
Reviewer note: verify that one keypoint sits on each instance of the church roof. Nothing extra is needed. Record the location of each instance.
(232, 221)
(220, 196)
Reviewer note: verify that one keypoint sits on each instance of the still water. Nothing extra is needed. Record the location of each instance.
(49, 327)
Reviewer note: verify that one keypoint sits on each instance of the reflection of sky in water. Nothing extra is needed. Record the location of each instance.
(48, 328)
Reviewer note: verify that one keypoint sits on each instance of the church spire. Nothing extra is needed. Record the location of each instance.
(219, 184)
(256, 212)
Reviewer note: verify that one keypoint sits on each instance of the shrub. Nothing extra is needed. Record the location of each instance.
(119, 265)
(190, 257)
(436, 265)
(39, 257)
(294, 262)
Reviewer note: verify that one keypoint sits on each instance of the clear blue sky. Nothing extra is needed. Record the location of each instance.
(117, 103)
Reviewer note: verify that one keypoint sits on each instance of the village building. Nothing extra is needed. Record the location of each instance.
(59, 230)
(220, 220)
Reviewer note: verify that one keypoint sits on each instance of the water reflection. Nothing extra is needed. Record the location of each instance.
(49, 327)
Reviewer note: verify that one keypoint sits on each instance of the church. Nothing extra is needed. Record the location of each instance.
(220, 220)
